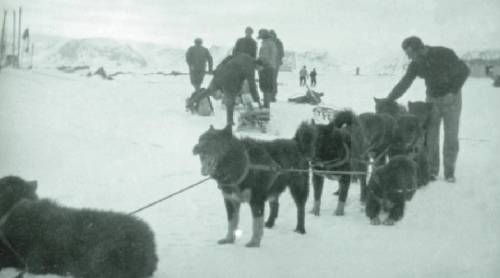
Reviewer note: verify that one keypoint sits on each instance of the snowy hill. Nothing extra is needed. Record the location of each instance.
(97, 52)
(136, 56)
(52, 52)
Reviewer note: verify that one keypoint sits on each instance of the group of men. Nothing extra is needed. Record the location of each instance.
(303, 77)
(231, 74)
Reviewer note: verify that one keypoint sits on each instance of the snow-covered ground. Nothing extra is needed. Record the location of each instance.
(117, 145)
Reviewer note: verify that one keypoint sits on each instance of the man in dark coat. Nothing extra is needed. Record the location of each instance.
(444, 74)
(229, 76)
(197, 58)
(246, 44)
(281, 54)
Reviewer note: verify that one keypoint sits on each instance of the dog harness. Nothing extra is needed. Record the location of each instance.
(243, 195)
(6, 242)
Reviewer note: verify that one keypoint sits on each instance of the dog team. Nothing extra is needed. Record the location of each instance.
(398, 149)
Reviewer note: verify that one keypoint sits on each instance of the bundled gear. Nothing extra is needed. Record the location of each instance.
(311, 97)
(251, 117)
(199, 103)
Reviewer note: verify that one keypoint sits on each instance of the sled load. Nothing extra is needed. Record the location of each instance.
(199, 103)
(251, 117)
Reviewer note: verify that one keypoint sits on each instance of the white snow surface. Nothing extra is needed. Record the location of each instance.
(118, 145)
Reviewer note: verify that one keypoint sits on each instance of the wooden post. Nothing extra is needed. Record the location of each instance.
(2, 39)
(19, 40)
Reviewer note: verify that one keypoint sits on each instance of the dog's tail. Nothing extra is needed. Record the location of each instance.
(306, 136)
(344, 118)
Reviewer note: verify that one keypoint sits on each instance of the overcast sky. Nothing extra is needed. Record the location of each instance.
(343, 27)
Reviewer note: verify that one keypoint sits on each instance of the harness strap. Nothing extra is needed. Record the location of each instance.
(6, 242)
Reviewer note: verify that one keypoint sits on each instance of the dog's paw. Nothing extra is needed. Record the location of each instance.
(253, 243)
(301, 231)
(375, 221)
(389, 222)
(314, 211)
(316, 208)
(339, 212)
(226, 241)
(269, 224)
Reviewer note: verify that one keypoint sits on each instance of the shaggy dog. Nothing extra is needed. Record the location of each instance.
(391, 107)
(389, 188)
(410, 134)
(41, 237)
(422, 110)
(248, 170)
(332, 153)
(367, 137)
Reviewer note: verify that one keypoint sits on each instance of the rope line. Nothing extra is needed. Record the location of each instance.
(169, 196)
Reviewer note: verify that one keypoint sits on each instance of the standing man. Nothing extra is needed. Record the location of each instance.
(246, 44)
(303, 76)
(197, 57)
(281, 54)
(268, 55)
(313, 77)
(444, 74)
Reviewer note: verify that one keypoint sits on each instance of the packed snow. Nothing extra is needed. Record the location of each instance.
(118, 145)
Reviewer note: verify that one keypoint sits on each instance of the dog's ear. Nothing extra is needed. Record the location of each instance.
(313, 123)
(211, 128)
(377, 100)
(228, 130)
(32, 185)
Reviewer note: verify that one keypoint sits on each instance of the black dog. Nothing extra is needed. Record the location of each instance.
(391, 107)
(41, 237)
(410, 134)
(332, 153)
(422, 110)
(247, 170)
(390, 186)
(366, 136)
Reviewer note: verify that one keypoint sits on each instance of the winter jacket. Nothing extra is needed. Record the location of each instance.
(197, 58)
(303, 73)
(269, 52)
(281, 50)
(232, 71)
(441, 69)
(246, 45)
